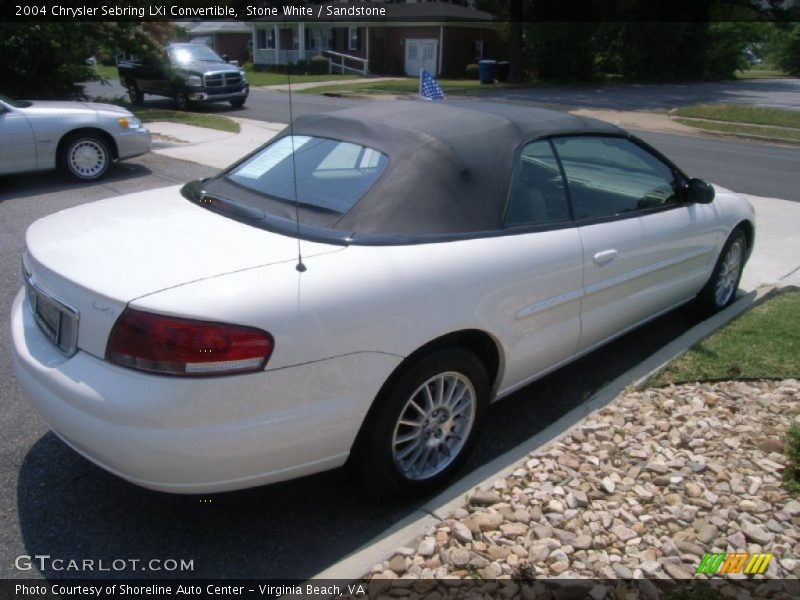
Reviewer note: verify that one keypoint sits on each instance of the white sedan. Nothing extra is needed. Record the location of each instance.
(80, 138)
(361, 288)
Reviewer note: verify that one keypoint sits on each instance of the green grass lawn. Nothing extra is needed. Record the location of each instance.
(148, 115)
(775, 123)
(254, 77)
(406, 86)
(764, 342)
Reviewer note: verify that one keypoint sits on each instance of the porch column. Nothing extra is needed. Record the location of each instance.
(301, 40)
(441, 49)
(277, 44)
(366, 64)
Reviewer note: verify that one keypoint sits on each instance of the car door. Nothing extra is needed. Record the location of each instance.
(541, 301)
(17, 142)
(645, 249)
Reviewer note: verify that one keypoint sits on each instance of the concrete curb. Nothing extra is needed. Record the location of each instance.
(384, 545)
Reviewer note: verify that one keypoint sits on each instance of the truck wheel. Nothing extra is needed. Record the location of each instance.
(182, 101)
(238, 103)
(135, 95)
(85, 156)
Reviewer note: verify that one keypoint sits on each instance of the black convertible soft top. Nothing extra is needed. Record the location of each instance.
(450, 163)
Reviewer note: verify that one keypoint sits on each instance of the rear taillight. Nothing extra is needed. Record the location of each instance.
(174, 346)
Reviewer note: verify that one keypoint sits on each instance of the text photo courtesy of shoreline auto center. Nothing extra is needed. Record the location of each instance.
(400, 299)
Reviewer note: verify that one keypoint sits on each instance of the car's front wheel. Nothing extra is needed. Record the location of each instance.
(720, 290)
(85, 157)
(421, 429)
(182, 101)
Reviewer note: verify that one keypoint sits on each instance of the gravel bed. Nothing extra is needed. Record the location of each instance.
(642, 489)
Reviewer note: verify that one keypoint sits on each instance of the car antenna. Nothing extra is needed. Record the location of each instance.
(300, 266)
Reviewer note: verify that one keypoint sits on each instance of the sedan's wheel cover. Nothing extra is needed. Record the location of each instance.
(434, 425)
(87, 158)
(729, 274)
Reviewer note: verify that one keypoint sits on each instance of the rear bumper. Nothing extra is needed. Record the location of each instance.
(197, 436)
(133, 143)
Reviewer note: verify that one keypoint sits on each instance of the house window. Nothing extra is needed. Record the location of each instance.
(266, 39)
(353, 38)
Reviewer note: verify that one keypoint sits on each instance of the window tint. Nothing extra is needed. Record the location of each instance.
(610, 176)
(537, 192)
(331, 175)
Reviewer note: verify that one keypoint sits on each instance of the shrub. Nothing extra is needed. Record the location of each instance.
(471, 71)
(792, 473)
(318, 65)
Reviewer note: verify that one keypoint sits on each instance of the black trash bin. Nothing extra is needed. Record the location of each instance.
(486, 71)
(501, 71)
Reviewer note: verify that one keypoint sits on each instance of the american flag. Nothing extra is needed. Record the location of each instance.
(428, 87)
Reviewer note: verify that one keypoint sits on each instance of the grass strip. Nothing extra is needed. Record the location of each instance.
(777, 134)
(749, 115)
(406, 86)
(148, 115)
(762, 343)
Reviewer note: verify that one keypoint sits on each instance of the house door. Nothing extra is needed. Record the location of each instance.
(421, 54)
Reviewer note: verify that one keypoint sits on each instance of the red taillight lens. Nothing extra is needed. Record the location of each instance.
(173, 346)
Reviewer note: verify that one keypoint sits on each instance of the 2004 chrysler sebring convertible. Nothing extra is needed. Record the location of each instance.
(450, 254)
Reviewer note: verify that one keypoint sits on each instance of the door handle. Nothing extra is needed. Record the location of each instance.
(605, 257)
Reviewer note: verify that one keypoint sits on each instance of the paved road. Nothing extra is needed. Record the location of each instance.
(746, 167)
(777, 93)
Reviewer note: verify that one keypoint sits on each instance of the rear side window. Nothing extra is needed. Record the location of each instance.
(331, 175)
(609, 176)
(537, 194)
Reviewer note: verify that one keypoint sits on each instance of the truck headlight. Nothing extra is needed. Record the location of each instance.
(193, 80)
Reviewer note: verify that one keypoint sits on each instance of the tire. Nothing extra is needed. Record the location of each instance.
(238, 103)
(135, 95)
(182, 101)
(85, 157)
(720, 290)
(413, 440)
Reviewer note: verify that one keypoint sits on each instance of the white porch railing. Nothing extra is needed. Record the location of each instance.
(270, 56)
(337, 60)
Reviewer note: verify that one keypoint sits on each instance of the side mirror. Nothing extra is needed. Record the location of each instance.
(700, 192)
(226, 58)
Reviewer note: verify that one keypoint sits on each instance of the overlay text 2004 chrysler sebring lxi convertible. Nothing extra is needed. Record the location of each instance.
(450, 256)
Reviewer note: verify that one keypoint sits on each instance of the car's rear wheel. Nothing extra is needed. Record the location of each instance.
(85, 157)
(720, 290)
(135, 95)
(238, 103)
(421, 430)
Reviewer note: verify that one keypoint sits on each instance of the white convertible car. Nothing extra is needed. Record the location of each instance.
(360, 288)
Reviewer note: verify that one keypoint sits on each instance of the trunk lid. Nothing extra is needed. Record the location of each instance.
(97, 257)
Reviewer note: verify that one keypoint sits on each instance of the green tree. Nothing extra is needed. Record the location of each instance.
(783, 47)
(47, 60)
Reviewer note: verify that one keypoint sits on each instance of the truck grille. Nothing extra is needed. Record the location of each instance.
(220, 81)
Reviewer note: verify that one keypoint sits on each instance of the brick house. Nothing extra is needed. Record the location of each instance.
(231, 38)
(439, 37)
